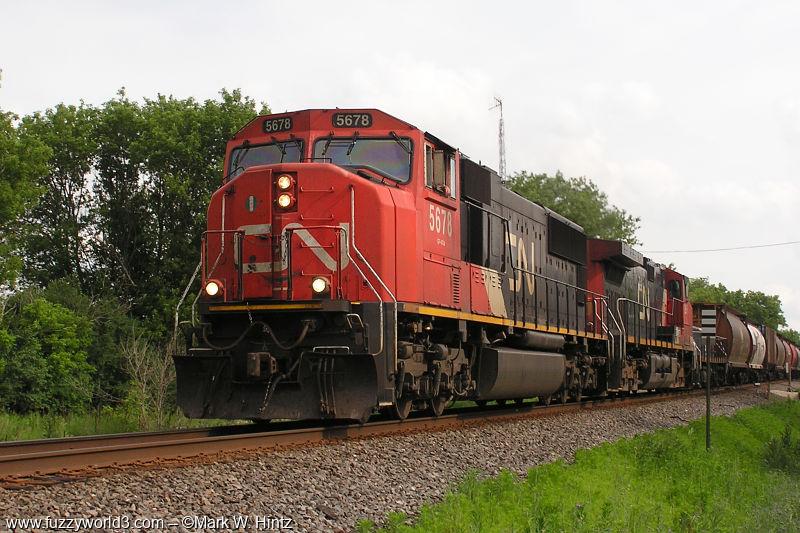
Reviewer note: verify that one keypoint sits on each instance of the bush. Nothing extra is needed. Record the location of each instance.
(152, 379)
(43, 358)
(110, 324)
(783, 452)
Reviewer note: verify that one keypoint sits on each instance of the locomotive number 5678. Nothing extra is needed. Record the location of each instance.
(440, 220)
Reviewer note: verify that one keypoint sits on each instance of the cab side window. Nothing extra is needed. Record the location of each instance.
(428, 165)
(440, 171)
(451, 175)
(675, 289)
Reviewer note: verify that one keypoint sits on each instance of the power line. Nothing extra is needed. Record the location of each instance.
(748, 247)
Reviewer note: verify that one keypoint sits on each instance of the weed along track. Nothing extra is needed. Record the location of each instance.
(661, 481)
(53, 460)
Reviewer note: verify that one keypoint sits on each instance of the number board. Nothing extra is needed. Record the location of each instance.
(352, 120)
(274, 125)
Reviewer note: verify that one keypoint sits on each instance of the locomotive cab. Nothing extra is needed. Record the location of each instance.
(295, 187)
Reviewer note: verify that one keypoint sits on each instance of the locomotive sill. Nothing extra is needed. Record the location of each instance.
(449, 203)
(315, 305)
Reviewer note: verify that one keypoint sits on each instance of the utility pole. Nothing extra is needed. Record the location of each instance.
(709, 349)
(501, 138)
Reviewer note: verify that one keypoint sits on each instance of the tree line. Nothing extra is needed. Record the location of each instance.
(757, 306)
(102, 208)
(101, 213)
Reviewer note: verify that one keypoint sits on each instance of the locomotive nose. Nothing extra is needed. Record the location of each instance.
(280, 232)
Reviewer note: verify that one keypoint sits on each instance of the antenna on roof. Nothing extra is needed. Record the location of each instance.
(501, 138)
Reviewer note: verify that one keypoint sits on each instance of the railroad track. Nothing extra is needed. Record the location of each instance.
(57, 460)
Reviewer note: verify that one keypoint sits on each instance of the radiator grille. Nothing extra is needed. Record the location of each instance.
(456, 284)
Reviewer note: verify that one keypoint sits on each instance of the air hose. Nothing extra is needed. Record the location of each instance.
(274, 384)
(266, 329)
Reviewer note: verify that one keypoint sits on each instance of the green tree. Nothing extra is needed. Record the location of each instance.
(23, 159)
(56, 245)
(120, 208)
(110, 327)
(157, 165)
(792, 335)
(580, 200)
(757, 306)
(122, 193)
(43, 352)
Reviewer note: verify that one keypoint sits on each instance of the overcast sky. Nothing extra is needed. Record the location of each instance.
(686, 113)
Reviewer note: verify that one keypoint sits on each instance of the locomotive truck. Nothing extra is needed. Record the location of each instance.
(354, 263)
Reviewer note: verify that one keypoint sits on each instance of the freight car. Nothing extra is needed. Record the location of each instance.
(353, 262)
(742, 351)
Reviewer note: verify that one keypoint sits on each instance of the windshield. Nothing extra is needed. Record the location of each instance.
(389, 157)
(264, 154)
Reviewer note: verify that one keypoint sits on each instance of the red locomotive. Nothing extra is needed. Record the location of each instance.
(353, 262)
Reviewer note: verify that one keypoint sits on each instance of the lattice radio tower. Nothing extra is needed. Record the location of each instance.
(501, 138)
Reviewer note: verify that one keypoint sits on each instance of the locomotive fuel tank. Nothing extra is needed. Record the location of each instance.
(660, 372)
(537, 340)
(510, 373)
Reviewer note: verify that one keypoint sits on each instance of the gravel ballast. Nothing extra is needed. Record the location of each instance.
(332, 487)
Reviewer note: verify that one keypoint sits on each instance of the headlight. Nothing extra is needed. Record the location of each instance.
(319, 285)
(213, 288)
(284, 182)
(285, 200)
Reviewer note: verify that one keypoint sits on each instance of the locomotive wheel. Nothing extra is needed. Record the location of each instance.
(545, 400)
(501, 403)
(436, 405)
(402, 407)
(260, 421)
(563, 394)
(519, 401)
(481, 403)
(578, 395)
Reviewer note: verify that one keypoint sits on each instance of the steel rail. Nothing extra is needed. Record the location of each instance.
(21, 460)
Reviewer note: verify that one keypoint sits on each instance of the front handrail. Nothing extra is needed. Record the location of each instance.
(238, 235)
(600, 319)
(337, 229)
(361, 256)
(657, 310)
(351, 241)
(620, 329)
(180, 303)
(611, 314)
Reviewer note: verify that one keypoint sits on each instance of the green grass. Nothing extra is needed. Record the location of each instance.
(107, 420)
(665, 481)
